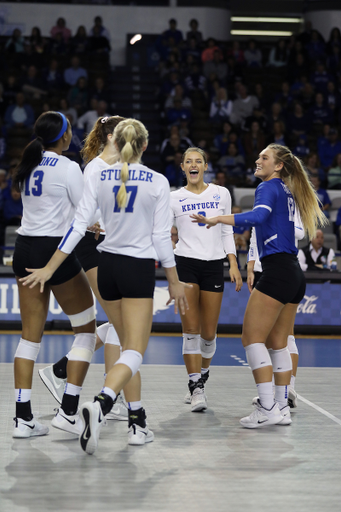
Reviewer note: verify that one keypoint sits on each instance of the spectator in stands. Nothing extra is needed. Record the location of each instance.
(177, 112)
(36, 41)
(216, 66)
(334, 173)
(301, 149)
(191, 53)
(237, 53)
(98, 27)
(329, 148)
(20, 115)
(52, 79)
(320, 113)
(315, 47)
(16, 43)
(78, 96)
(31, 84)
(334, 39)
(208, 53)
(184, 141)
(194, 33)
(178, 92)
(98, 43)
(320, 78)
(173, 32)
(253, 55)
(11, 89)
(60, 29)
(173, 171)
(275, 114)
(313, 167)
(262, 97)
(333, 60)
(306, 96)
(221, 108)
(68, 111)
(169, 82)
(278, 134)
(322, 194)
(221, 141)
(100, 90)
(79, 42)
(259, 116)
(74, 72)
(233, 164)
(279, 55)
(297, 124)
(173, 145)
(235, 139)
(315, 256)
(243, 106)
(254, 143)
(57, 46)
(12, 205)
(333, 96)
(285, 98)
(87, 120)
(300, 67)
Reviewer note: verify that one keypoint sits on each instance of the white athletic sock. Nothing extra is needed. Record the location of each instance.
(292, 381)
(265, 395)
(194, 377)
(22, 395)
(281, 396)
(135, 406)
(71, 389)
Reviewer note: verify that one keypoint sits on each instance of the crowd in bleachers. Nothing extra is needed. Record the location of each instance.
(233, 98)
(230, 98)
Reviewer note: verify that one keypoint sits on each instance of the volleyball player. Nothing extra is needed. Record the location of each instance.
(134, 202)
(254, 269)
(98, 152)
(51, 188)
(271, 308)
(200, 258)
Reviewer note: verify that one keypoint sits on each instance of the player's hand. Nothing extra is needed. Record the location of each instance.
(177, 293)
(236, 277)
(209, 221)
(36, 276)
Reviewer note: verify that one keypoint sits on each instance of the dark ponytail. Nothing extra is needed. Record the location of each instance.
(47, 127)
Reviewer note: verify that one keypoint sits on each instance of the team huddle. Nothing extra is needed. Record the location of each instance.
(102, 232)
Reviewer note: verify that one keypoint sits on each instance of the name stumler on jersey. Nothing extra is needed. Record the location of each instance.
(200, 206)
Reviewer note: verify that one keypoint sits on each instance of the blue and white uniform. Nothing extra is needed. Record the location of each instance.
(273, 215)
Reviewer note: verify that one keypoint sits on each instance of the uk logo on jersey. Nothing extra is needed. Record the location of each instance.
(216, 197)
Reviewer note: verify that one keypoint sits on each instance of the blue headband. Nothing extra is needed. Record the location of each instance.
(62, 130)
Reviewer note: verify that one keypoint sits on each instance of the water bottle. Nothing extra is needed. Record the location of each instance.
(333, 265)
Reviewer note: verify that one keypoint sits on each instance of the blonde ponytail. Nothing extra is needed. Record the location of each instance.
(130, 136)
(296, 178)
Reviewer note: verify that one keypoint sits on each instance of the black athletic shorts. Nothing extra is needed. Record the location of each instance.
(257, 278)
(36, 251)
(124, 276)
(209, 275)
(86, 250)
(282, 278)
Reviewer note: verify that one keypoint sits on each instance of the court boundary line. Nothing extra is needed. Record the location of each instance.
(319, 409)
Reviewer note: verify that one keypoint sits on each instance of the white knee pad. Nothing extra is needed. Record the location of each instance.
(208, 348)
(281, 360)
(112, 337)
(83, 318)
(191, 344)
(102, 331)
(83, 347)
(132, 359)
(27, 350)
(257, 356)
(292, 347)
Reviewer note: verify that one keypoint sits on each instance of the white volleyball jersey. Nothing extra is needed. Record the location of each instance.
(140, 229)
(195, 241)
(50, 196)
(94, 165)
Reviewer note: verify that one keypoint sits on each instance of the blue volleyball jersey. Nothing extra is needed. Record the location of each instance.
(273, 215)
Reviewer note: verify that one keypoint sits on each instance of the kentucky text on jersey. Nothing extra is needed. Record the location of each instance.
(200, 206)
(47, 160)
(134, 175)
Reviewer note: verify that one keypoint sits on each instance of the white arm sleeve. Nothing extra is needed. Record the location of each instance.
(227, 231)
(253, 250)
(161, 229)
(75, 183)
(85, 212)
(299, 228)
(302, 260)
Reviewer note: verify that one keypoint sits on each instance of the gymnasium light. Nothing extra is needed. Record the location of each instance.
(254, 19)
(275, 33)
(135, 38)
